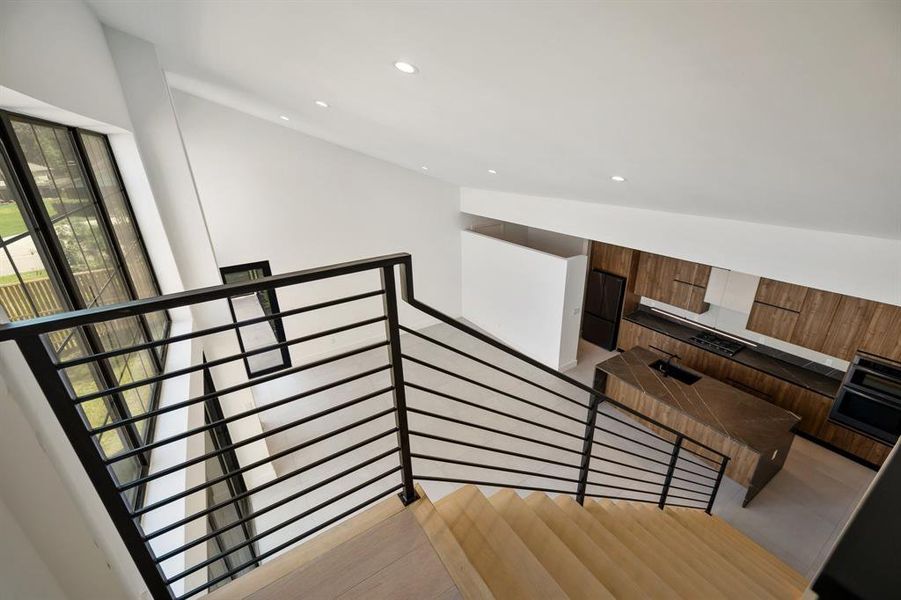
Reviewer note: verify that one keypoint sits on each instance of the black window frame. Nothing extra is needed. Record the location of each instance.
(59, 271)
(276, 322)
(228, 463)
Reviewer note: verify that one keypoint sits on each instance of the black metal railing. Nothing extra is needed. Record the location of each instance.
(406, 406)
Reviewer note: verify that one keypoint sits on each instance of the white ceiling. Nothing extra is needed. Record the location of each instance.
(774, 112)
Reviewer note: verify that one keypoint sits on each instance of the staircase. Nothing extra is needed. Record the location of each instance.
(402, 407)
(467, 545)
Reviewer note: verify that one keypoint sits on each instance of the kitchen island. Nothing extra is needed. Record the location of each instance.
(754, 434)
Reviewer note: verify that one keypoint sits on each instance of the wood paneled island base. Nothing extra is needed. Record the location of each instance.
(755, 434)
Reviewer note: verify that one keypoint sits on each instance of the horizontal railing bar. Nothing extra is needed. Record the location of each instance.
(226, 359)
(634, 426)
(622, 464)
(698, 454)
(627, 489)
(50, 323)
(263, 461)
(630, 453)
(684, 470)
(618, 475)
(494, 389)
(668, 504)
(453, 398)
(492, 484)
(243, 415)
(256, 438)
(280, 526)
(410, 297)
(611, 497)
(466, 463)
(686, 497)
(630, 440)
(264, 486)
(691, 481)
(491, 365)
(269, 507)
(491, 429)
(290, 542)
(491, 449)
(236, 388)
(692, 462)
(211, 330)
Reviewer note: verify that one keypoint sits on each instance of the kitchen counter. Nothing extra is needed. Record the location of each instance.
(811, 376)
(755, 434)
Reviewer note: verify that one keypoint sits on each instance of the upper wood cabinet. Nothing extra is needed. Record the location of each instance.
(815, 319)
(848, 327)
(827, 322)
(612, 259)
(883, 336)
(784, 295)
(677, 282)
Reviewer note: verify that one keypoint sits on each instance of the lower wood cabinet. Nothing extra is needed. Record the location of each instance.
(813, 408)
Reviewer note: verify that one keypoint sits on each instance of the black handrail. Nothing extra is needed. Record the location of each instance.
(127, 520)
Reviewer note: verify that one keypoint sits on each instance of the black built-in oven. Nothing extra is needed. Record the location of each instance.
(870, 398)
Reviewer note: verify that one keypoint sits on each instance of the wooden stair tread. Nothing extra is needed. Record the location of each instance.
(469, 582)
(566, 569)
(613, 563)
(672, 568)
(697, 553)
(735, 538)
(299, 557)
(775, 581)
(505, 563)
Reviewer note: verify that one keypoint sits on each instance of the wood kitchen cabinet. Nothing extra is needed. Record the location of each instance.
(772, 321)
(814, 320)
(834, 324)
(677, 282)
(849, 325)
(883, 336)
(778, 293)
(612, 259)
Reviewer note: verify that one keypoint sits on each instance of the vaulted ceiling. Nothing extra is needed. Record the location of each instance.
(775, 112)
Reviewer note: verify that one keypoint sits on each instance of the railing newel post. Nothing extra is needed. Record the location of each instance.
(716, 485)
(587, 443)
(392, 330)
(677, 446)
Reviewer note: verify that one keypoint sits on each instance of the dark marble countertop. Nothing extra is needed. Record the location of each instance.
(735, 414)
(826, 382)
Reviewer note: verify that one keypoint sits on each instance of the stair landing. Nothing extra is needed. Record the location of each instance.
(381, 553)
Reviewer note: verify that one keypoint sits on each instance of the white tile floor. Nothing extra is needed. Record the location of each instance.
(797, 516)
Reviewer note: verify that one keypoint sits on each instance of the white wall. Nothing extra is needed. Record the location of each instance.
(272, 193)
(23, 573)
(528, 299)
(859, 266)
(56, 52)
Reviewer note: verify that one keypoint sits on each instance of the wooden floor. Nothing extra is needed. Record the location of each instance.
(389, 558)
(468, 545)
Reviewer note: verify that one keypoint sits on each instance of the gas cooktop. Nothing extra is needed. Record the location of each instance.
(717, 343)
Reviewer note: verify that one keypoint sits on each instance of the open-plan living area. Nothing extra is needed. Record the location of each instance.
(438, 299)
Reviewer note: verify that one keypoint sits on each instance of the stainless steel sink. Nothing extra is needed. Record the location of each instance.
(677, 373)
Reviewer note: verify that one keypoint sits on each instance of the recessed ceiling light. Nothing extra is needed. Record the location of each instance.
(618, 178)
(405, 67)
(424, 168)
(283, 118)
(492, 171)
(321, 103)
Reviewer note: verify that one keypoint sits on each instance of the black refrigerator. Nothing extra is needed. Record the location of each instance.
(603, 304)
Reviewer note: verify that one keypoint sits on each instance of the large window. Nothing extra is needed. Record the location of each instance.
(70, 241)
